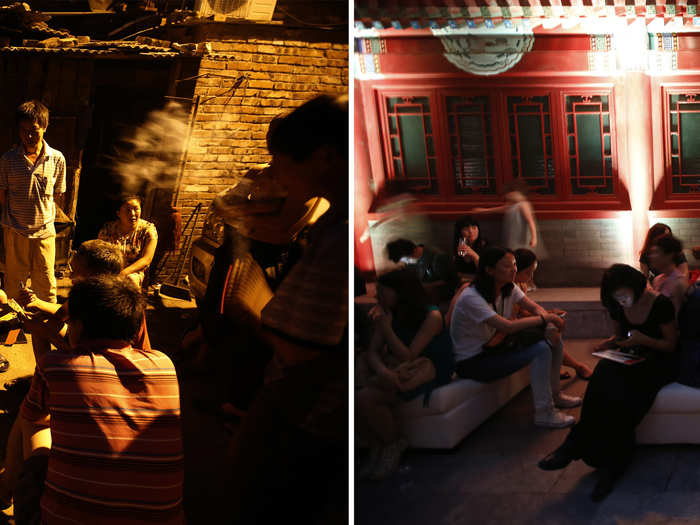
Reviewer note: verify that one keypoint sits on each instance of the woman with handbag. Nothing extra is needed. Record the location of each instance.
(619, 395)
(407, 329)
(484, 311)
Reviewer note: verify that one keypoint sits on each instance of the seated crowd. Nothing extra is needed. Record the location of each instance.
(495, 329)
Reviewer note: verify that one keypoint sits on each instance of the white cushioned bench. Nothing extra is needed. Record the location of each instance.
(456, 409)
(673, 418)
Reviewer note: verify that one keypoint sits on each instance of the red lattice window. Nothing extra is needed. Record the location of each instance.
(589, 143)
(471, 144)
(532, 157)
(684, 135)
(411, 143)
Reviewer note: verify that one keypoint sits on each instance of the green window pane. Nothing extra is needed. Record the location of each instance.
(674, 144)
(589, 145)
(413, 143)
(690, 143)
(531, 147)
(674, 121)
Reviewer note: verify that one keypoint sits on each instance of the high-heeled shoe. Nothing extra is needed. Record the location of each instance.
(558, 459)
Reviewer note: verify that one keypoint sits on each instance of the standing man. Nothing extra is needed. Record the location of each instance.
(32, 179)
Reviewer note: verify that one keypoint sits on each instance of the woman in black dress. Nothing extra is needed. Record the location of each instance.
(619, 396)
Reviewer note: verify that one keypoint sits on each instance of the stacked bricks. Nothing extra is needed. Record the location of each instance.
(228, 136)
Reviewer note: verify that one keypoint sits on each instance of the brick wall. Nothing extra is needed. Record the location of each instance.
(229, 131)
(579, 251)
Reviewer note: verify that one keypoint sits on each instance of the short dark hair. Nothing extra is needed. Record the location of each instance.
(616, 277)
(668, 244)
(321, 121)
(463, 222)
(126, 197)
(101, 257)
(109, 307)
(524, 258)
(400, 248)
(484, 282)
(33, 111)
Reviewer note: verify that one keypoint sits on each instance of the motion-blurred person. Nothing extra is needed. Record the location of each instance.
(293, 440)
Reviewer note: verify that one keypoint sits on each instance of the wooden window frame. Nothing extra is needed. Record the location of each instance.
(663, 197)
(447, 202)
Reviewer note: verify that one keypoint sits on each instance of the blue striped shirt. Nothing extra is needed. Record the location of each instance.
(30, 209)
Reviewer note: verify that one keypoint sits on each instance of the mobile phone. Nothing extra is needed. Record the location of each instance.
(629, 334)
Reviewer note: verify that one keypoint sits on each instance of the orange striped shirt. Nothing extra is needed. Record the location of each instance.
(116, 453)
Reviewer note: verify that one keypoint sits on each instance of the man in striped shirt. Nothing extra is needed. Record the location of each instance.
(114, 450)
(32, 178)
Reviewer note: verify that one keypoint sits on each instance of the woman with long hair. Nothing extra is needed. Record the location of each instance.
(487, 307)
(669, 281)
(619, 395)
(656, 231)
(526, 261)
(406, 326)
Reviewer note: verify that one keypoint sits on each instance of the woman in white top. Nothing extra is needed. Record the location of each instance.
(486, 307)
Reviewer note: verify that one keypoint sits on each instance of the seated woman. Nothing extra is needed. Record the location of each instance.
(405, 327)
(136, 238)
(669, 281)
(656, 231)
(468, 245)
(619, 395)
(487, 307)
(526, 261)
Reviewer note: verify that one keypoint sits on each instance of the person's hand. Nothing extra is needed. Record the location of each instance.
(558, 311)
(533, 242)
(605, 345)
(27, 299)
(390, 379)
(696, 252)
(555, 320)
(377, 312)
(468, 253)
(636, 338)
(478, 210)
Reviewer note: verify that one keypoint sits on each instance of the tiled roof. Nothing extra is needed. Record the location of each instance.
(458, 13)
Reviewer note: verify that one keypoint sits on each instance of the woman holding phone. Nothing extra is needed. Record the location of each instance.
(619, 395)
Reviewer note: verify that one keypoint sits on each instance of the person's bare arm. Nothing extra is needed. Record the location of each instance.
(683, 268)
(667, 343)
(507, 326)
(431, 326)
(492, 209)
(678, 294)
(142, 262)
(529, 216)
(531, 306)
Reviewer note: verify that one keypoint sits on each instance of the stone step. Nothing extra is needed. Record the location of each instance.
(586, 316)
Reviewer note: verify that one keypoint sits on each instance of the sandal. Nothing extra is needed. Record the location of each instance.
(565, 375)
